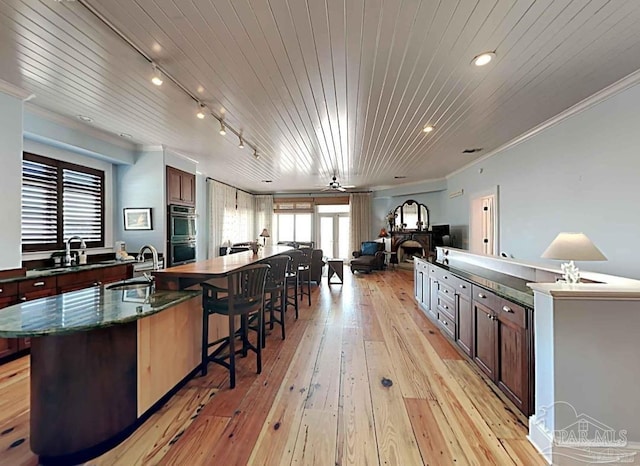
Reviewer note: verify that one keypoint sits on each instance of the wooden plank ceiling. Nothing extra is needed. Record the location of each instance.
(319, 86)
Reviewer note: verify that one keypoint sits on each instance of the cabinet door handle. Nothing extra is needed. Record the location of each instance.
(446, 291)
(1, 290)
(488, 316)
(463, 286)
(24, 298)
(444, 322)
(38, 284)
(445, 277)
(507, 309)
(445, 306)
(480, 295)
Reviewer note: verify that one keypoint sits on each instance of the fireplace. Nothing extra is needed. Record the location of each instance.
(407, 245)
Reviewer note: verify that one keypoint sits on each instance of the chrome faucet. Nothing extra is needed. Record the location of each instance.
(67, 255)
(154, 254)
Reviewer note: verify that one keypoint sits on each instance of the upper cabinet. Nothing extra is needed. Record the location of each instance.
(181, 187)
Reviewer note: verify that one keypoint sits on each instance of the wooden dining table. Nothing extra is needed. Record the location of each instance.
(187, 276)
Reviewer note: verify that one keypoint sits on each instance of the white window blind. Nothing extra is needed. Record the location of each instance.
(60, 200)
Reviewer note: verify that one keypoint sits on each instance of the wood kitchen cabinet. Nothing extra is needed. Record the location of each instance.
(464, 321)
(181, 187)
(29, 290)
(8, 296)
(502, 346)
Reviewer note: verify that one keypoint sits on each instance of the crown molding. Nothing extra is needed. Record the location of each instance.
(15, 91)
(179, 154)
(78, 125)
(591, 101)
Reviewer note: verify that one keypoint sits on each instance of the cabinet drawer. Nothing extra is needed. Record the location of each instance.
(36, 284)
(88, 277)
(487, 298)
(513, 312)
(8, 289)
(445, 276)
(462, 287)
(447, 307)
(447, 324)
(433, 271)
(447, 291)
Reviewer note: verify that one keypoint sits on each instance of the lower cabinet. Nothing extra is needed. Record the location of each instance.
(496, 333)
(8, 346)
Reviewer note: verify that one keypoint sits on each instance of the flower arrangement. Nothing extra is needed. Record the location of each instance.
(391, 216)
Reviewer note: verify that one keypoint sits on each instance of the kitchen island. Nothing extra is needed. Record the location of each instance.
(101, 359)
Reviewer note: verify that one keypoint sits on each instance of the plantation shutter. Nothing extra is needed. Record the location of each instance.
(39, 204)
(82, 205)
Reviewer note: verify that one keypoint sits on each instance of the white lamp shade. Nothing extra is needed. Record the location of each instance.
(573, 247)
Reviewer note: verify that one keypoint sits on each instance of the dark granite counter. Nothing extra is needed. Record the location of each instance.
(506, 286)
(51, 271)
(87, 309)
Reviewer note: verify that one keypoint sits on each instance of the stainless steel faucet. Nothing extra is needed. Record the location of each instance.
(67, 255)
(154, 254)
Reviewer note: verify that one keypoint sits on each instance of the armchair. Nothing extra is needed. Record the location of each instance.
(317, 263)
(370, 257)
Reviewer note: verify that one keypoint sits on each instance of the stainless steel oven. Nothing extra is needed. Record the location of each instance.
(182, 223)
(182, 252)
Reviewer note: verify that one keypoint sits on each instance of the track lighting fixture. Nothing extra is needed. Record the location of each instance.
(223, 130)
(255, 154)
(241, 142)
(201, 111)
(157, 76)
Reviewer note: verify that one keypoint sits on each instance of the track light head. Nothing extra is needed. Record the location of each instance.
(255, 154)
(157, 76)
(201, 111)
(241, 142)
(223, 130)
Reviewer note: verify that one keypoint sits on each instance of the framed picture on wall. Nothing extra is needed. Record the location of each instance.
(138, 219)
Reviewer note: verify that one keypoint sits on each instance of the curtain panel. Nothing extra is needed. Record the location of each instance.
(264, 216)
(360, 221)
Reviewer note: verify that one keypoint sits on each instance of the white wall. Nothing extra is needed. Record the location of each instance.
(142, 185)
(582, 174)
(10, 181)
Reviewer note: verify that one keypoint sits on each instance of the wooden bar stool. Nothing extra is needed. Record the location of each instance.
(292, 278)
(243, 296)
(275, 292)
(304, 272)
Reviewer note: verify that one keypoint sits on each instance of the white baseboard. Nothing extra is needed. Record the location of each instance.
(564, 455)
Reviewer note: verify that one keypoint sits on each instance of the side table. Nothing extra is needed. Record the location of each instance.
(336, 267)
(391, 258)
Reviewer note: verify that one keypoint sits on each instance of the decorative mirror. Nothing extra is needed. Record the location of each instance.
(411, 216)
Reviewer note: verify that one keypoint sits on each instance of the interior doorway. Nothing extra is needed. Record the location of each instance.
(483, 222)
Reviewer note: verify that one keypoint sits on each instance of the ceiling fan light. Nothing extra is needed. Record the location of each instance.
(483, 59)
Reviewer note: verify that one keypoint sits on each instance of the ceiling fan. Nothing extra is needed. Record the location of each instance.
(334, 185)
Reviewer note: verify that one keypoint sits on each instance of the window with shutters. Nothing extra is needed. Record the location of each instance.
(60, 200)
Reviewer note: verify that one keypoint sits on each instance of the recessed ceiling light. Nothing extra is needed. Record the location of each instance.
(427, 129)
(483, 59)
(267, 181)
(85, 118)
(125, 135)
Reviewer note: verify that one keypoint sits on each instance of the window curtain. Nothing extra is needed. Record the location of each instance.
(222, 200)
(264, 216)
(245, 229)
(360, 221)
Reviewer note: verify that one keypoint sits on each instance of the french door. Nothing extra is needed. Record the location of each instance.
(334, 234)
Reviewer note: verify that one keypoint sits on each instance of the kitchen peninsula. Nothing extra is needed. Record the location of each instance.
(101, 358)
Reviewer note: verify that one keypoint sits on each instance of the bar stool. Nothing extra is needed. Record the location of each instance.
(304, 272)
(244, 295)
(275, 292)
(292, 278)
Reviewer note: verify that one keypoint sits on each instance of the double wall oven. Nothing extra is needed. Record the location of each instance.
(182, 234)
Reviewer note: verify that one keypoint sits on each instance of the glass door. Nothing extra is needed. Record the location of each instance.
(334, 231)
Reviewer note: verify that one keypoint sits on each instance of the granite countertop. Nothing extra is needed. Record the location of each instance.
(87, 309)
(51, 271)
(506, 286)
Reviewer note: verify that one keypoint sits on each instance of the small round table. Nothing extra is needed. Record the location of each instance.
(391, 258)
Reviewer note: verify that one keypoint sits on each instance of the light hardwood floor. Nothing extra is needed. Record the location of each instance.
(362, 378)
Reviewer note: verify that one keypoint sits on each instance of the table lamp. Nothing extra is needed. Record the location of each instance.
(383, 233)
(264, 235)
(572, 247)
